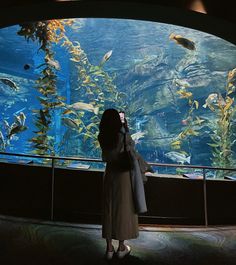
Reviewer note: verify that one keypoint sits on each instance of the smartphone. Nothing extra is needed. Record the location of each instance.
(122, 117)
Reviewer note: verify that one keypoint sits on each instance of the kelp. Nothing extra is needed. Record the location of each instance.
(94, 83)
(222, 134)
(46, 33)
(193, 122)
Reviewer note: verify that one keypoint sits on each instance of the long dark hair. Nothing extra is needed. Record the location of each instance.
(109, 128)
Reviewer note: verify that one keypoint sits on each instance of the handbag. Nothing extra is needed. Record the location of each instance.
(126, 159)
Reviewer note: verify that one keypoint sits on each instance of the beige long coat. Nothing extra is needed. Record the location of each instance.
(119, 220)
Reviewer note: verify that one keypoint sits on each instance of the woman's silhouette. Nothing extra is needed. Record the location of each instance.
(120, 219)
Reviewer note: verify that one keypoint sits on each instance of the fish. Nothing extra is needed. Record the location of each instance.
(22, 118)
(54, 63)
(2, 141)
(17, 119)
(138, 135)
(9, 83)
(84, 106)
(70, 123)
(211, 99)
(182, 83)
(15, 129)
(178, 157)
(106, 57)
(184, 42)
(27, 66)
(7, 126)
(43, 118)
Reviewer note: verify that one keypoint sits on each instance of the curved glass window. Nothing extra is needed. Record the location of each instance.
(176, 85)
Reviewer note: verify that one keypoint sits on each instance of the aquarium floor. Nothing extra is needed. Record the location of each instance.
(45, 243)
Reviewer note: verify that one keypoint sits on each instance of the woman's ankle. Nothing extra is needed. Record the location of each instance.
(121, 247)
(110, 248)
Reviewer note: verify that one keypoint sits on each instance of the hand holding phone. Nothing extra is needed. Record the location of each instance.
(122, 117)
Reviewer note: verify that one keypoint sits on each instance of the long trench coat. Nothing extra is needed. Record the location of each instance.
(120, 215)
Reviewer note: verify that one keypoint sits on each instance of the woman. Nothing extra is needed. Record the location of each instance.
(120, 218)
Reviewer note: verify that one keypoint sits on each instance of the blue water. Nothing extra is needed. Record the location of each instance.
(143, 76)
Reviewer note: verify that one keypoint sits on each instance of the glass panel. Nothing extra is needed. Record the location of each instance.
(176, 85)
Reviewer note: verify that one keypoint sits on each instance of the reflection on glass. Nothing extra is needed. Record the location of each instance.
(176, 85)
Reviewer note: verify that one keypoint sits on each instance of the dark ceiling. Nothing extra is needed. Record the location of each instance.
(220, 19)
(216, 8)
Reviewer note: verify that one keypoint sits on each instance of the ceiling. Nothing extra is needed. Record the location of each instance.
(220, 18)
(221, 9)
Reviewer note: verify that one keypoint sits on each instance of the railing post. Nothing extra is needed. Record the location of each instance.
(205, 197)
(52, 190)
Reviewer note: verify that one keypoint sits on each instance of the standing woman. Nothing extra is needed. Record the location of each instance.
(120, 219)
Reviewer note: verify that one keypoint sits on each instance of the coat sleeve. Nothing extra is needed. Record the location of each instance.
(130, 144)
(144, 167)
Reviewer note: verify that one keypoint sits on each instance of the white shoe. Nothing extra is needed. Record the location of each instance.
(109, 254)
(125, 252)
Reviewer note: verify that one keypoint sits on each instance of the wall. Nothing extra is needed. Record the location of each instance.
(25, 191)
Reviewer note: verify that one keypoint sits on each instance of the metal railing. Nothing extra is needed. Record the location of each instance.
(97, 160)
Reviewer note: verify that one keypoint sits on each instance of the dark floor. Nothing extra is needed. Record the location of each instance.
(45, 243)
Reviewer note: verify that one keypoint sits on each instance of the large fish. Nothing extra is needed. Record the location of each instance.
(84, 106)
(184, 42)
(178, 157)
(9, 83)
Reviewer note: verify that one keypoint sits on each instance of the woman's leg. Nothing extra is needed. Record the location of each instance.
(121, 245)
(109, 244)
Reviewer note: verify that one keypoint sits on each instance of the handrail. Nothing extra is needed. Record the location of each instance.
(100, 161)
(53, 158)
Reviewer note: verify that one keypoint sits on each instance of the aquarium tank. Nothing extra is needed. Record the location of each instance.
(175, 84)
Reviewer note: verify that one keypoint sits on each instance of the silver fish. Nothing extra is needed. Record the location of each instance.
(2, 141)
(54, 64)
(106, 57)
(22, 118)
(84, 106)
(138, 135)
(17, 119)
(70, 123)
(7, 126)
(9, 83)
(211, 99)
(178, 157)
